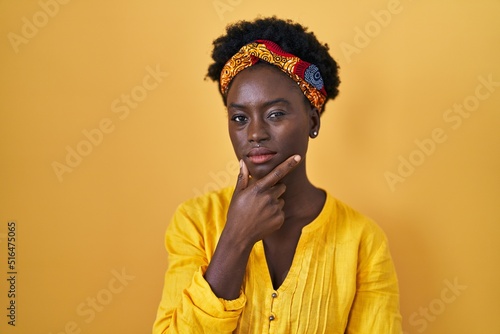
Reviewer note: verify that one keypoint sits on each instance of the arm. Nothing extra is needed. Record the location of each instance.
(376, 305)
(202, 293)
(188, 304)
(255, 211)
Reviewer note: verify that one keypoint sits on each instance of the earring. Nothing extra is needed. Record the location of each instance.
(314, 134)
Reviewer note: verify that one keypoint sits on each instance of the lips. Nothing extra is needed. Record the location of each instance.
(260, 155)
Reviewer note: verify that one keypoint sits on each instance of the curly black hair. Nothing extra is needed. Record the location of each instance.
(290, 36)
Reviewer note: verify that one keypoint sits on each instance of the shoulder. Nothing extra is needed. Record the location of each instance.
(210, 202)
(202, 212)
(198, 222)
(352, 224)
(358, 235)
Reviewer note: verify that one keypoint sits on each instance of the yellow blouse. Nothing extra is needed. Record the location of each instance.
(342, 279)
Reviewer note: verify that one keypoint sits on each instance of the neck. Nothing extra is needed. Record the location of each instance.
(302, 198)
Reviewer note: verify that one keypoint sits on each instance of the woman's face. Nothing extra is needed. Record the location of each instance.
(266, 108)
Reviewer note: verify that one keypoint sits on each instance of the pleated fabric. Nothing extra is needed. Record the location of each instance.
(342, 278)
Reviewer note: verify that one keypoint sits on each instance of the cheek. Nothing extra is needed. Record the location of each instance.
(298, 133)
(236, 139)
(298, 138)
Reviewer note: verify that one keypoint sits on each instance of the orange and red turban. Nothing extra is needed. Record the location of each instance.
(305, 74)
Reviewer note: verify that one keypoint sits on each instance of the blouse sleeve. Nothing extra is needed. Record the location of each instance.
(375, 307)
(188, 304)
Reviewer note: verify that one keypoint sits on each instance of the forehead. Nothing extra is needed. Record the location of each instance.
(261, 83)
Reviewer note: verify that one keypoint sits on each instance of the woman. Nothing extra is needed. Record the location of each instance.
(275, 254)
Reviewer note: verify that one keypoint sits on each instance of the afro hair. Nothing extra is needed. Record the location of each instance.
(290, 36)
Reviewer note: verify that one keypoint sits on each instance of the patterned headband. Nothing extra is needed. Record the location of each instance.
(305, 74)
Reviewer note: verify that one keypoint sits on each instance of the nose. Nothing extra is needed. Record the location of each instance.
(257, 131)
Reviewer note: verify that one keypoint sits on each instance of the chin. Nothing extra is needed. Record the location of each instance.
(259, 171)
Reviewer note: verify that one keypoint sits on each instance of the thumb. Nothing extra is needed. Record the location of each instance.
(242, 182)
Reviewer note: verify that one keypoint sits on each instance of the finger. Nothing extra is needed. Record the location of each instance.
(279, 172)
(277, 190)
(242, 182)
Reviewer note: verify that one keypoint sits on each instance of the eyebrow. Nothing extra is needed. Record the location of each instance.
(264, 105)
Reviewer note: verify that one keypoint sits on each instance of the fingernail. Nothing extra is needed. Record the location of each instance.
(241, 163)
(297, 158)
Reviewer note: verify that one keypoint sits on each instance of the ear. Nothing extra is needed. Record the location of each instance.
(314, 122)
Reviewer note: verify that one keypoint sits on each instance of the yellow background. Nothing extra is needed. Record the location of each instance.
(107, 216)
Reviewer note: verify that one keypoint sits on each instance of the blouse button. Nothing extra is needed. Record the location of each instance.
(271, 317)
(274, 295)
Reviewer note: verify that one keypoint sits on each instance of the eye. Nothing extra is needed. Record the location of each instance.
(239, 119)
(276, 114)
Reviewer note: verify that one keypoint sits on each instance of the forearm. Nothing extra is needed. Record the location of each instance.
(197, 309)
(227, 268)
(189, 299)
(256, 210)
